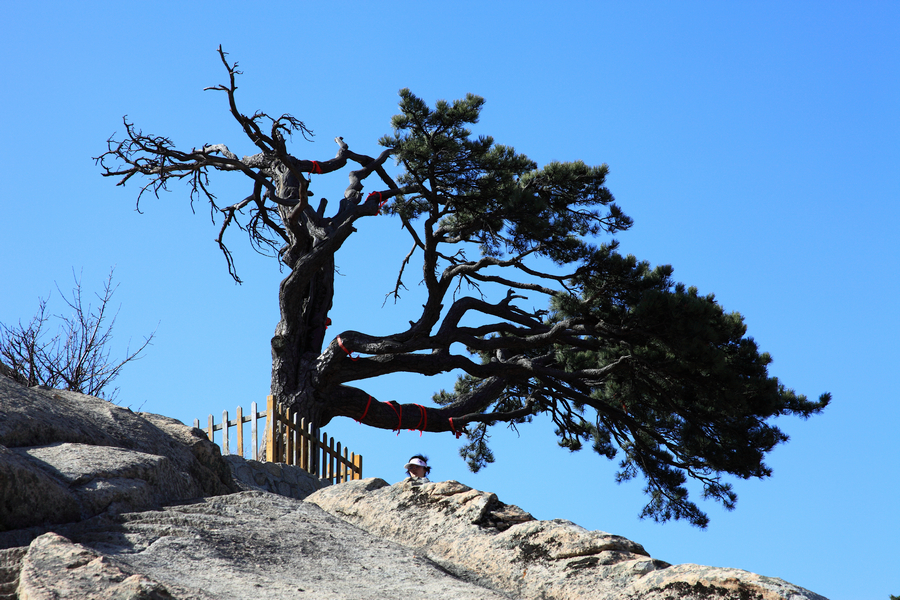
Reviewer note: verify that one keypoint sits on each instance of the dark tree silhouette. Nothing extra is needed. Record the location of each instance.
(622, 357)
(77, 358)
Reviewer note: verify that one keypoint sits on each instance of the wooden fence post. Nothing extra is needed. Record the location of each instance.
(240, 431)
(326, 470)
(292, 437)
(303, 451)
(337, 463)
(254, 433)
(271, 426)
(357, 462)
(225, 449)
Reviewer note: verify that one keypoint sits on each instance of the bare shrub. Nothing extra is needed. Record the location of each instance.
(77, 357)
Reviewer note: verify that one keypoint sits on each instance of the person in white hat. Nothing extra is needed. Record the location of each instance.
(417, 468)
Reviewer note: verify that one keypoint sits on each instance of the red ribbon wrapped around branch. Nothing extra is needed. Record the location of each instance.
(341, 344)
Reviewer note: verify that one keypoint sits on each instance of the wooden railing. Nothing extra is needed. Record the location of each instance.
(238, 422)
(291, 441)
(295, 442)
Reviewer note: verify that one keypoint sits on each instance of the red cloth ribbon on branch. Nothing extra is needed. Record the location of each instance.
(365, 412)
(423, 417)
(341, 344)
(316, 168)
(399, 418)
(453, 429)
(380, 201)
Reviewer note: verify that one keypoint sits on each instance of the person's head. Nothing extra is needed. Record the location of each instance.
(417, 466)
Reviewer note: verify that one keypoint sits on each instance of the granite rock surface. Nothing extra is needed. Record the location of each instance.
(246, 545)
(66, 456)
(478, 538)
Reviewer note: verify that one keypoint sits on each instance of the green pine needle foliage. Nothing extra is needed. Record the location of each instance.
(628, 361)
(658, 375)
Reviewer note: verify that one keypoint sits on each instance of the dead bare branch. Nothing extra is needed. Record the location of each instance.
(77, 358)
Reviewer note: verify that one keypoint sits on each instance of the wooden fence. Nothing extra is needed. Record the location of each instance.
(238, 423)
(288, 440)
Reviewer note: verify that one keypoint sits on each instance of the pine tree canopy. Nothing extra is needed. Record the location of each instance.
(621, 357)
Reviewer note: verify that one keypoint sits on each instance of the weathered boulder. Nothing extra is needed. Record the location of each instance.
(238, 546)
(477, 538)
(101, 477)
(66, 456)
(286, 480)
(53, 567)
(29, 495)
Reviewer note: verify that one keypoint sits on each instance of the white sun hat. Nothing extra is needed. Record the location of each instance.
(415, 462)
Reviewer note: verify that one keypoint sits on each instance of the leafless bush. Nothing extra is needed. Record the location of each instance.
(77, 357)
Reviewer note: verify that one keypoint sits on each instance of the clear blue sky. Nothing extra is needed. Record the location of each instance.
(755, 144)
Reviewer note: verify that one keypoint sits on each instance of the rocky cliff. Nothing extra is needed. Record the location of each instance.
(100, 502)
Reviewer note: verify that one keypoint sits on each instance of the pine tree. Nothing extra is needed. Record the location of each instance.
(622, 357)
